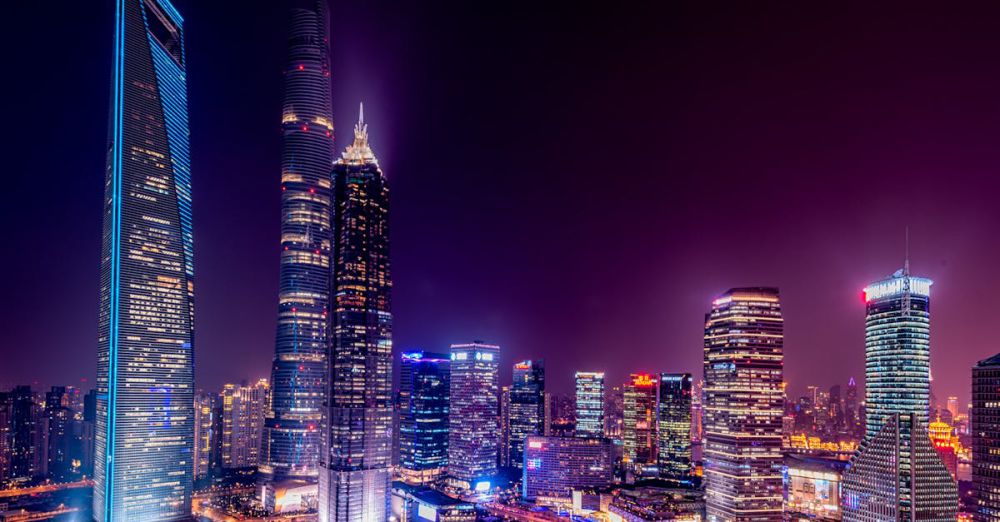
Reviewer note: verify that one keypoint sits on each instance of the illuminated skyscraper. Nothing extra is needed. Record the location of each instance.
(424, 385)
(472, 435)
(639, 420)
(555, 466)
(674, 425)
(744, 335)
(298, 375)
(527, 407)
(985, 414)
(204, 437)
(503, 454)
(590, 404)
(355, 464)
(243, 411)
(896, 473)
(145, 373)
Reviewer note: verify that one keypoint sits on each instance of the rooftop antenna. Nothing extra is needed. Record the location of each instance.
(906, 262)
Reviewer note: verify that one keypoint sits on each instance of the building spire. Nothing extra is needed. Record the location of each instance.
(359, 152)
(906, 258)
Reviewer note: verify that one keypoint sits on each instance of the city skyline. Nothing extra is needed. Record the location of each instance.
(835, 264)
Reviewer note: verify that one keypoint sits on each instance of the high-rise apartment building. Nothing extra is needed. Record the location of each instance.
(985, 415)
(144, 435)
(744, 334)
(472, 418)
(203, 434)
(424, 387)
(243, 410)
(527, 407)
(589, 404)
(291, 441)
(357, 455)
(896, 473)
(674, 425)
(639, 420)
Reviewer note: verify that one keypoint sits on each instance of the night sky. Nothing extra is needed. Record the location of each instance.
(573, 184)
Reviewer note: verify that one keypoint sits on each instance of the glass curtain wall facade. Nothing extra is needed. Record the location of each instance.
(589, 404)
(424, 387)
(674, 425)
(639, 421)
(896, 471)
(472, 417)
(145, 395)
(744, 404)
(357, 444)
(986, 439)
(291, 438)
(527, 407)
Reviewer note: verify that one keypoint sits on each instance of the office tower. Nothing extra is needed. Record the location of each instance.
(299, 371)
(836, 409)
(89, 432)
(62, 437)
(424, 387)
(743, 407)
(590, 404)
(548, 404)
(952, 406)
(503, 419)
(22, 437)
(243, 411)
(146, 320)
(555, 466)
(896, 471)
(852, 418)
(674, 425)
(697, 411)
(639, 420)
(472, 433)
(527, 407)
(614, 412)
(203, 434)
(985, 415)
(355, 463)
(5, 449)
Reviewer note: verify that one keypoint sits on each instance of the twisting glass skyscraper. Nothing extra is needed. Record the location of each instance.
(744, 403)
(355, 475)
(298, 375)
(896, 473)
(145, 375)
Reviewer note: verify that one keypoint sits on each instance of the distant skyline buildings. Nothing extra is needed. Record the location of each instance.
(473, 427)
(145, 352)
(299, 370)
(743, 407)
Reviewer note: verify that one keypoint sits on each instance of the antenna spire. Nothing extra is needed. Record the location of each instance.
(906, 261)
(361, 113)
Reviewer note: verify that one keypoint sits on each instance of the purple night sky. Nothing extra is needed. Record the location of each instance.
(574, 185)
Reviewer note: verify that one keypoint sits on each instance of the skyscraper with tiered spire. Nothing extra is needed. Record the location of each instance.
(357, 454)
(291, 438)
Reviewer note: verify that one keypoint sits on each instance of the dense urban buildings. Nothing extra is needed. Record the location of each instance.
(589, 404)
(299, 372)
(472, 433)
(144, 435)
(424, 387)
(674, 425)
(897, 472)
(243, 410)
(639, 421)
(744, 334)
(555, 466)
(527, 407)
(355, 476)
(986, 439)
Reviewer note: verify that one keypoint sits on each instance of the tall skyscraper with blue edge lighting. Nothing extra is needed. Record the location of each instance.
(291, 440)
(424, 387)
(145, 402)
